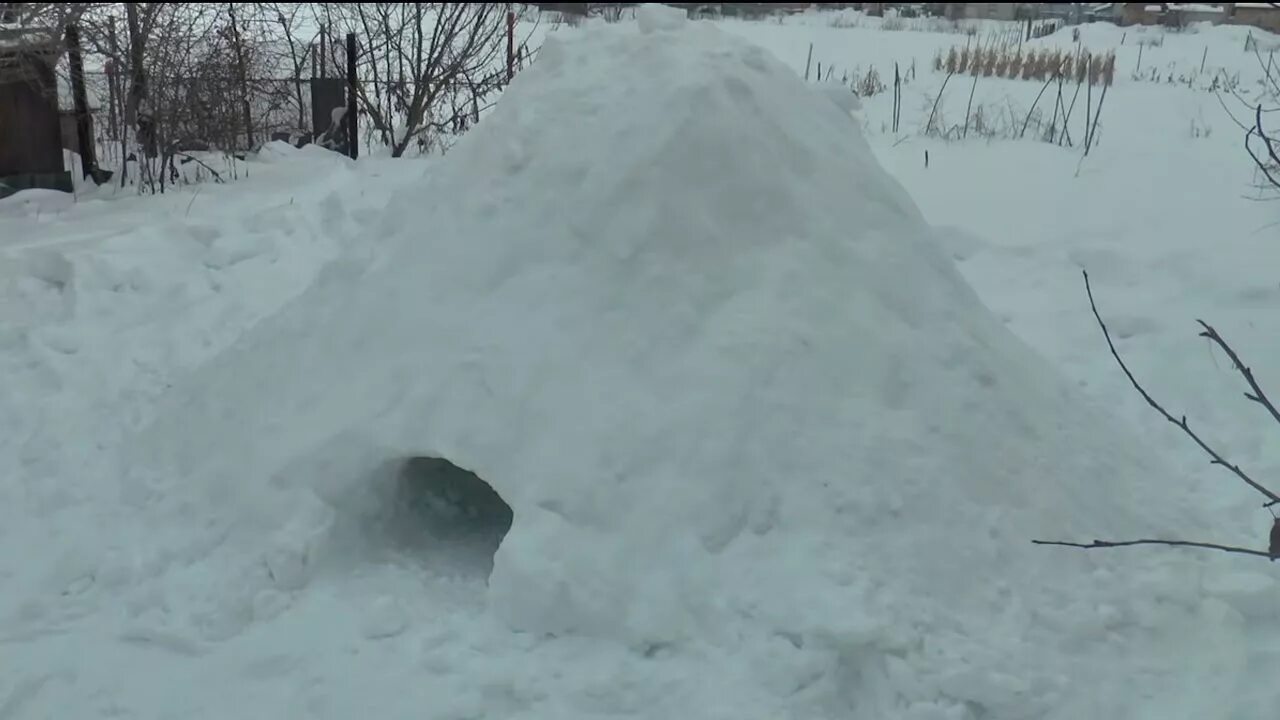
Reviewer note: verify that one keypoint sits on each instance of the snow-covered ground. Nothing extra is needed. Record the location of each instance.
(769, 456)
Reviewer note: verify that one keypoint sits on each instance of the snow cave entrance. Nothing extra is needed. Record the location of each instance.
(448, 517)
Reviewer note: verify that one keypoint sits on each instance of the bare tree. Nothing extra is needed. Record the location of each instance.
(291, 52)
(1255, 394)
(188, 77)
(238, 48)
(198, 77)
(134, 116)
(425, 67)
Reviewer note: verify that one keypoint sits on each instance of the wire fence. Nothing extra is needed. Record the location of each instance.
(225, 98)
(222, 112)
(208, 111)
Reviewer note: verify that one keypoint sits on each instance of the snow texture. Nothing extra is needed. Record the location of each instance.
(653, 17)
(730, 382)
(768, 453)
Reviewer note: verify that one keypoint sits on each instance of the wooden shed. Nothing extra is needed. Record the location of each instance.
(30, 127)
(1259, 15)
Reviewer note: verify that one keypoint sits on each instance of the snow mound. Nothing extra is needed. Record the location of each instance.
(842, 95)
(653, 17)
(742, 405)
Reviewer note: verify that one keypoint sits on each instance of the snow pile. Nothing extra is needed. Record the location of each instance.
(768, 454)
(653, 17)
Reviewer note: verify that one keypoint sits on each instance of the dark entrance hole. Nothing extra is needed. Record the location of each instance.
(448, 516)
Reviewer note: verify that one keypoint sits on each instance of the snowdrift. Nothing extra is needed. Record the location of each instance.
(746, 413)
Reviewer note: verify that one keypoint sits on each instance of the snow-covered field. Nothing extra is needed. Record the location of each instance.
(769, 454)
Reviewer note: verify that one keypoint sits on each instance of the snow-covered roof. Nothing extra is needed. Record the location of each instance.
(1187, 8)
(13, 37)
(1196, 8)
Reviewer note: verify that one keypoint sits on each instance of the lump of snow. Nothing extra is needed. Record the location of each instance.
(289, 557)
(1252, 594)
(842, 95)
(653, 17)
(729, 382)
(51, 267)
(60, 339)
(386, 618)
(36, 202)
(276, 151)
(225, 251)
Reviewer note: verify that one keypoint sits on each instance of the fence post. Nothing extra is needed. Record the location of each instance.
(352, 131)
(897, 96)
(242, 73)
(511, 43)
(324, 43)
(84, 135)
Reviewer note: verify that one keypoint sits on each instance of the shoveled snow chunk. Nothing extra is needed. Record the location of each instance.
(231, 250)
(289, 558)
(387, 618)
(842, 95)
(1253, 594)
(60, 339)
(51, 267)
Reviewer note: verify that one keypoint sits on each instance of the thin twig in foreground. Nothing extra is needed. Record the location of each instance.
(1230, 114)
(1176, 543)
(1262, 165)
(1257, 395)
(1180, 422)
(1266, 140)
(191, 158)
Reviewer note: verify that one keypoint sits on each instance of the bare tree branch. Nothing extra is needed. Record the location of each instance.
(1269, 81)
(444, 68)
(1096, 544)
(217, 177)
(1180, 422)
(1257, 395)
(1230, 114)
(1270, 163)
(1260, 162)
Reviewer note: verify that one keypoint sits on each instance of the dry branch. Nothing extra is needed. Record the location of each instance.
(1257, 395)
(1096, 544)
(1271, 162)
(1181, 422)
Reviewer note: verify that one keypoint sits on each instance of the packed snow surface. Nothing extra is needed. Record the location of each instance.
(769, 456)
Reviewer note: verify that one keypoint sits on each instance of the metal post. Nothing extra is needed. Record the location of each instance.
(353, 143)
(84, 134)
(511, 43)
